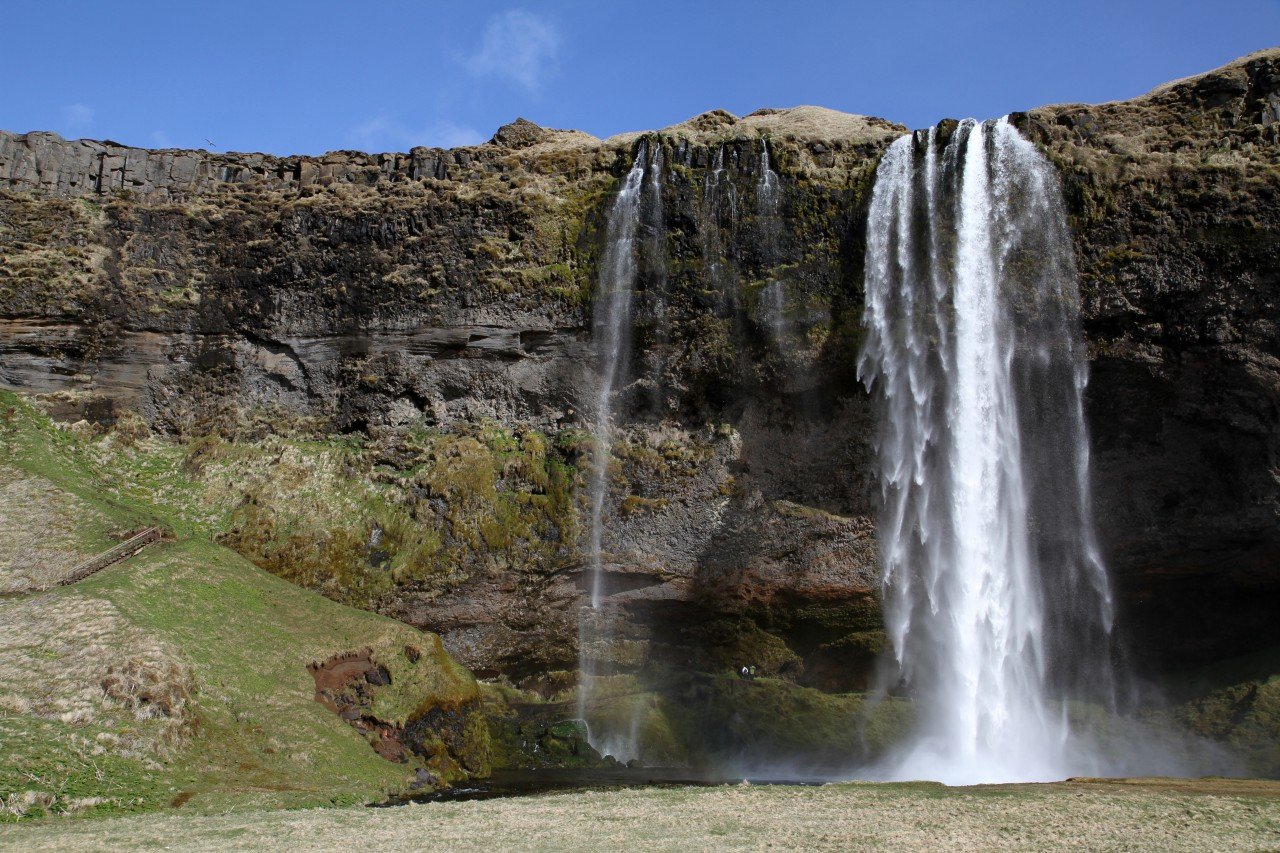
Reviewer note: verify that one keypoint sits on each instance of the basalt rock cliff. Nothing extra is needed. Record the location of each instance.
(431, 313)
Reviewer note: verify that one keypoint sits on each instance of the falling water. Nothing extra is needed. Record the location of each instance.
(719, 205)
(767, 186)
(773, 302)
(611, 329)
(612, 335)
(996, 601)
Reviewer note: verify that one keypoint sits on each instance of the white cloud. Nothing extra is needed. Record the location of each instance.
(77, 115)
(519, 46)
(160, 139)
(381, 133)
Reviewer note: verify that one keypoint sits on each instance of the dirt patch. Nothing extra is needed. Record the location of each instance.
(334, 676)
(346, 684)
(436, 738)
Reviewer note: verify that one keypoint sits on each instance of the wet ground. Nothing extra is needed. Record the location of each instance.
(524, 783)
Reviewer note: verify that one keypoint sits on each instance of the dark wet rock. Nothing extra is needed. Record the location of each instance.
(1173, 204)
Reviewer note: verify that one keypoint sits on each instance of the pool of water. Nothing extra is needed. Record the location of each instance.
(524, 783)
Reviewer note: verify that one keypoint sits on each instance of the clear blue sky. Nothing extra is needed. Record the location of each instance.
(304, 77)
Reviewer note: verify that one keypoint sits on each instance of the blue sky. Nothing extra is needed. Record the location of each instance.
(305, 77)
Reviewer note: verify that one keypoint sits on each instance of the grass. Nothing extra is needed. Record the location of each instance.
(1146, 815)
(37, 549)
(177, 677)
(256, 736)
(356, 519)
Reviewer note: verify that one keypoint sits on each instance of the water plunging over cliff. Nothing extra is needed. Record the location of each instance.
(611, 330)
(719, 206)
(997, 604)
(773, 295)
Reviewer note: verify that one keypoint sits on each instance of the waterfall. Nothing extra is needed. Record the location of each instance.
(773, 301)
(653, 313)
(611, 330)
(767, 187)
(996, 600)
(719, 204)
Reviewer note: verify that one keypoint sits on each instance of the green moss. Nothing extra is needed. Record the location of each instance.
(538, 737)
(52, 257)
(860, 644)
(859, 615)
(724, 718)
(636, 505)
(1246, 716)
(725, 645)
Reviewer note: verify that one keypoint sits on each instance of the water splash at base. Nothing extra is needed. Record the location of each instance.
(997, 604)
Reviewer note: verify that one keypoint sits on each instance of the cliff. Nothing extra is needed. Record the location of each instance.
(375, 366)
(1174, 201)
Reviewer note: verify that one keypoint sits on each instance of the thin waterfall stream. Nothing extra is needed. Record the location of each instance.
(997, 604)
(611, 330)
(768, 198)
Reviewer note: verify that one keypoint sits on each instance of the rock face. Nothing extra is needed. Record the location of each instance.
(1175, 209)
(450, 291)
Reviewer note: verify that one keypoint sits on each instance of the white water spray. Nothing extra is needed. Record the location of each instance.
(767, 186)
(996, 601)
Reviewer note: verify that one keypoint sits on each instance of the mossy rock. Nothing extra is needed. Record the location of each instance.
(766, 721)
(569, 729)
(727, 644)
(520, 739)
(1246, 717)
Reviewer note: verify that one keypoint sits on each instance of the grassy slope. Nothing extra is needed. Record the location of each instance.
(246, 637)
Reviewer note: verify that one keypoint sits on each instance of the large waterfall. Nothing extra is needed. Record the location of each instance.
(997, 603)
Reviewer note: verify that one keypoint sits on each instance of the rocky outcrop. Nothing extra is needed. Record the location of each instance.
(372, 295)
(412, 297)
(446, 736)
(45, 162)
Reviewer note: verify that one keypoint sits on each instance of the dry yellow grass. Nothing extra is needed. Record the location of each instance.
(44, 532)
(77, 660)
(115, 690)
(1096, 816)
